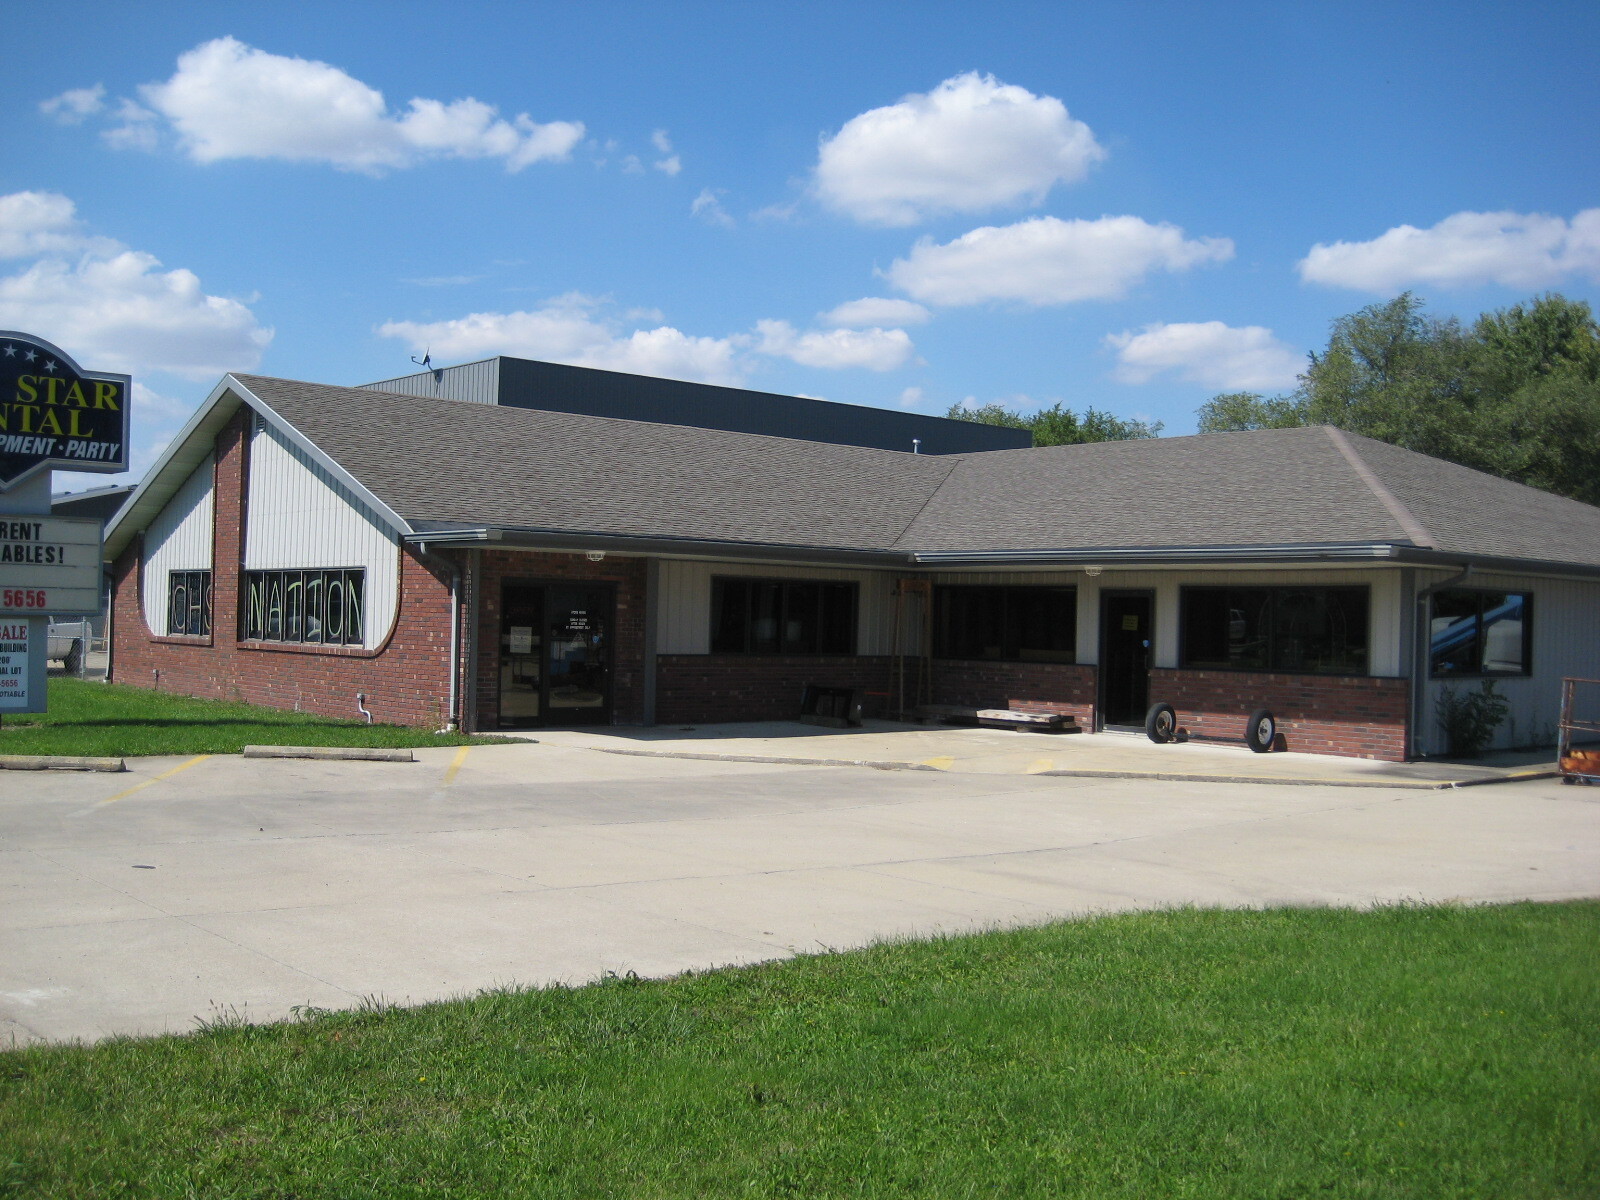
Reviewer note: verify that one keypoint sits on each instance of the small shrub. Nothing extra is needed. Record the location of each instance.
(1469, 719)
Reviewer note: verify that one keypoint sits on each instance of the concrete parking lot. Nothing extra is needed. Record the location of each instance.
(191, 888)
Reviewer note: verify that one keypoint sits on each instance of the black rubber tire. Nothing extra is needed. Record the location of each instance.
(1261, 731)
(73, 660)
(1161, 723)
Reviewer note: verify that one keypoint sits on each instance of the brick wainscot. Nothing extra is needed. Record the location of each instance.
(1358, 716)
(1067, 688)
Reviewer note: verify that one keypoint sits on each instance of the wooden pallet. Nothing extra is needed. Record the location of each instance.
(1027, 722)
(997, 718)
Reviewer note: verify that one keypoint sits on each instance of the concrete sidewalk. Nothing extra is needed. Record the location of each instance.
(888, 745)
(193, 887)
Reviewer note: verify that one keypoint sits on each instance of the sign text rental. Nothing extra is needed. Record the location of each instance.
(53, 414)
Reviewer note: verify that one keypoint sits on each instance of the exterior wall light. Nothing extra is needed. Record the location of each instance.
(595, 555)
(1093, 572)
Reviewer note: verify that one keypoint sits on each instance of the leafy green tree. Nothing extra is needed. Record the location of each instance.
(1517, 394)
(1059, 426)
(1248, 410)
(989, 414)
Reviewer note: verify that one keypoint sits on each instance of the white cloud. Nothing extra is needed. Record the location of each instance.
(911, 397)
(111, 307)
(1206, 352)
(34, 223)
(1046, 260)
(1520, 250)
(671, 164)
(229, 100)
(122, 313)
(575, 329)
(970, 144)
(152, 406)
(708, 207)
(114, 309)
(72, 106)
(135, 128)
(585, 331)
(875, 310)
(874, 349)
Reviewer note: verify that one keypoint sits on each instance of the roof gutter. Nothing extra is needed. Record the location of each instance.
(659, 547)
(1128, 557)
(1142, 555)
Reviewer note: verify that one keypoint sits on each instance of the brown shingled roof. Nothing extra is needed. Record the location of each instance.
(450, 462)
(444, 461)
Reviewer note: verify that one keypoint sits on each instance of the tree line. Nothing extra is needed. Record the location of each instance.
(1516, 393)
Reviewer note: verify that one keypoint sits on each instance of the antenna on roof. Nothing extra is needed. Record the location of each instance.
(425, 361)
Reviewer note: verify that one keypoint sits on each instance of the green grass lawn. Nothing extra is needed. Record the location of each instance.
(112, 721)
(1407, 1052)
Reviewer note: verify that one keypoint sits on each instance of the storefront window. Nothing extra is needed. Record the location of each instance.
(1303, 630)
(782, 616)
(189, 603)
(1480, 633)
(320, 607)
(1010, 624)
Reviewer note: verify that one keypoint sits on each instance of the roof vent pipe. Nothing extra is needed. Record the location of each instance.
(916, 445)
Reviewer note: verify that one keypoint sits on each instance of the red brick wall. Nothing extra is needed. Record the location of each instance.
(1360, 716)
(627, 637)
(406, 680)
(761, 687)
(1029, 687)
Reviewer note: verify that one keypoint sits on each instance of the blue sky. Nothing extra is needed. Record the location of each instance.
(1132, 207)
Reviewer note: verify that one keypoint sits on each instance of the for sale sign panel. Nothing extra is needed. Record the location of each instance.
(22, 666)
(55, 414)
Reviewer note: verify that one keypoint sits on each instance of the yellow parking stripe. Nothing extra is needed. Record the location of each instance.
(1039, 765)
(455, 764)
(943, 763)
(199, 758)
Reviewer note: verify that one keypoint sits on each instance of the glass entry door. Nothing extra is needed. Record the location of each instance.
(1125, 657)
(555, 654)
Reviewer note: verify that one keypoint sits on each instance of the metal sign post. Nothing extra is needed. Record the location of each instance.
(52, 414)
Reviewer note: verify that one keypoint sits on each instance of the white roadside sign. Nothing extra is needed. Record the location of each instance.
(49, 565)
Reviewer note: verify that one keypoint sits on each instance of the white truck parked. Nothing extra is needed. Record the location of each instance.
(68, 644)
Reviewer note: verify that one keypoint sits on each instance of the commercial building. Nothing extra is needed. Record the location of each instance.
(514, 558)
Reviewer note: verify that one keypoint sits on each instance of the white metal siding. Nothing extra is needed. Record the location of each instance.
(1566, 641)
(300, 516)
(179, 539)
(477, 382)
(684, 602)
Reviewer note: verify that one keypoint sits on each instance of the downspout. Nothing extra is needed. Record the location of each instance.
(454, 708)
(473, 605)
(1420, 654)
